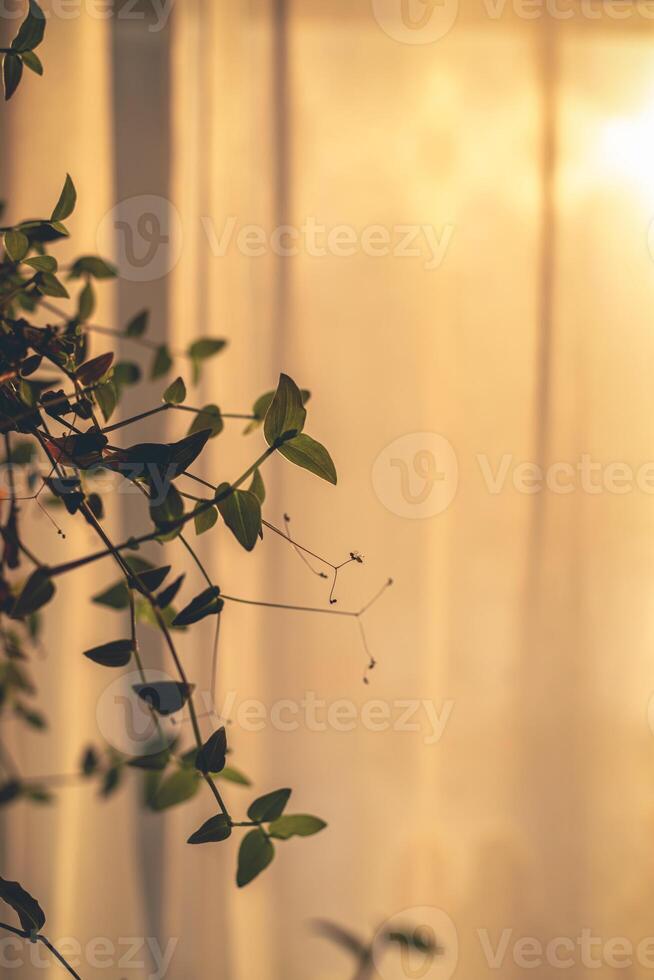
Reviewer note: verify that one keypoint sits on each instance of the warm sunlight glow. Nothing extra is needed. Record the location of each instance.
(626, 150)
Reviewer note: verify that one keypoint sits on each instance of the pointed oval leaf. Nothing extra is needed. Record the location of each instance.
(37, 592)
(138, 325)
(209, 418)
(211, 757)
(91, 371)
(311, 455)
(175, 393)
(286, 415)
(269, 807)
(12, 72)
(92, 265)
(167, 595)
(165, 697)
(241, 512)
(28, 910)
(162, 362)
(66, 203)
(298, 825)
(207, 603)
(16, 245)
(114, 654)
(255, 854)
(31, 31)
(176, 788)
(205, 518)
(213, 830)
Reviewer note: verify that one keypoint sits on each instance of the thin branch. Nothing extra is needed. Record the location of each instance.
(24, 934)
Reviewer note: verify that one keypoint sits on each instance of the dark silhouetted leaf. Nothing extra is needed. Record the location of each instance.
(286, 415)
(114, 654)
(165, 697)
(10, 791)
(31, 31)
(28, 910)
(67, 200)
(299, 825)
(306, 452)
(111, 781)
(255, 854)
(269, 807)
(213, 830)
(91, 371)
(126, 373)
(138, 325)
(90, 762)
(207, 603)
(241, 512)
(167, 595)
(37, 591)
(211, 757)
(86, 302)
(153, 577)
(12, 72)
(156, 762)
(116, 597)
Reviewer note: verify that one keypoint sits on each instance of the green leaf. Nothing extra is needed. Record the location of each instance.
(116, 597)
(16, 245)
(138, 325)
(86, 302)
(176, 788)
(211, 757)
(286, 414)
(28, 910)
(126, 373)
(167, 511)
(33, 718)
(205, 518)
(42, 263)
(299, 825)
(162, 362)
(111, 781)
(164, 697)
(49, 285)
(206, 347)
(262, 405)
(311, 455)
(257, 487)
(212, 830)
(175, 393)
(91, 371)
(241, 512)
(207, 603)
(269, 807)
(107, 399)
(92, 265)
(115, 654)
(32, 61)
(233, 775)
(209, 418)
(67, 200)
(37, 591)
(12, 72)
(255, 854)
(31, 31)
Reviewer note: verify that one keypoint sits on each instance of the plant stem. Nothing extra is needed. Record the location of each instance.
(24, 934)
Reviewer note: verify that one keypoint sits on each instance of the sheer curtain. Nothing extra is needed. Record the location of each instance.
(511, 328)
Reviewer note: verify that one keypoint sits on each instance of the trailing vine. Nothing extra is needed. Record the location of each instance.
(57, 399)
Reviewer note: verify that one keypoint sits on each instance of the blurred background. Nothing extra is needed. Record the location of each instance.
(452, 248)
